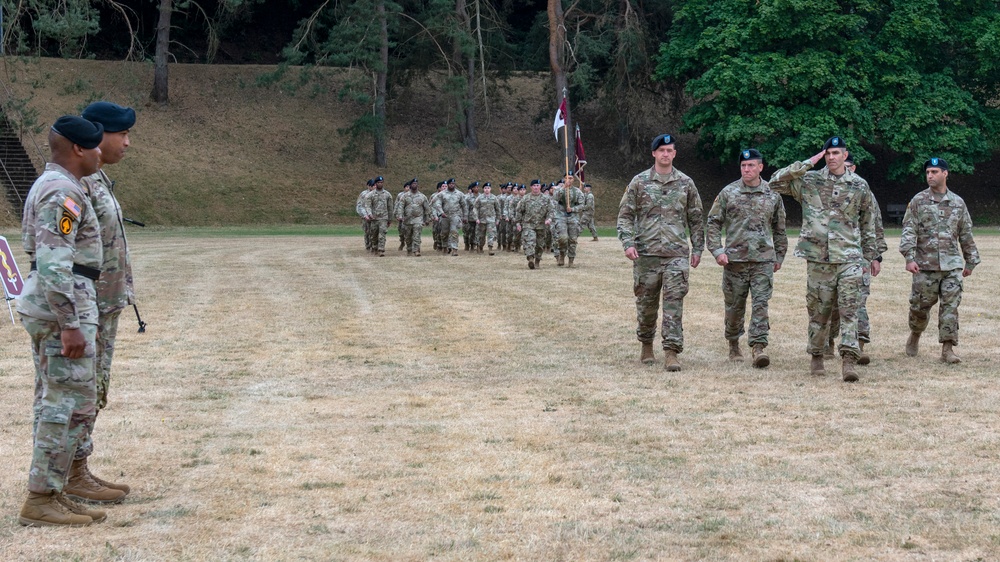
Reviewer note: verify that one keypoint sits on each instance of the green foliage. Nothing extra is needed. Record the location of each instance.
(911, 76)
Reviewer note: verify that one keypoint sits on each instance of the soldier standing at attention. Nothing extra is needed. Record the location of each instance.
(378, 209)
(587, 218)
(657, 209)
(837, 240)
(114, 289)
(485, 212)
(533, 215)
(566, 226)
(753, 217)
(58, 308)
(359, 207)
(936, 227)
(451, 211)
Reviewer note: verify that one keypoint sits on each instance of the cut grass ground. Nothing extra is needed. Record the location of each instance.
(296, 399)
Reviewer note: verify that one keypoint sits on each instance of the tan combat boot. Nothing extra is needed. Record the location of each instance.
(735, 354)
(848, 370)
(570, 262)
(646, 356)
(831, 350)
(80, 486)
(913, 344)
(816, 366)
(401, 246)
(595, 239)
(96, 515)
(123, 487)
(492, 253)
(531, 262)
(44, 510)
(863, 358)
(760, 359)
(560, 260)
(670, 361)
(538, 262)
(948, 355)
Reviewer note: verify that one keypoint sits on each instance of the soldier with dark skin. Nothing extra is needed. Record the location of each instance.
(359, 207)
(532, 217)
(378, 210)
(451, 211)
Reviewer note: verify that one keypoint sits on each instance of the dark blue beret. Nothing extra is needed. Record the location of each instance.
(835, 142)
(79, 131)
(474, 184)
(451, 180)
(114, 117)
(371, 183)
(849, 159)
(750, 154)
(414, 180)
(487, 184)
(378, 179)
(936, 163)
(661, 140)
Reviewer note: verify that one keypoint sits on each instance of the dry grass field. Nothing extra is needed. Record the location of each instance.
(294, 398)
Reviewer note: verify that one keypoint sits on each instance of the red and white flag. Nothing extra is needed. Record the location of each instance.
(581, 156)
(560, 121)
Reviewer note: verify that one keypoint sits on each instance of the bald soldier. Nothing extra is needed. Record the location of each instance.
(58, 308)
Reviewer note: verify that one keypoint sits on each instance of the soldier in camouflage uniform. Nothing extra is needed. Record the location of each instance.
(753, 217)
(515, 234)
(469, 227)
(503, 231)
(940, 251)
(532, 217)
(837, 240)
(58, 308)
(587, 217)
(440, 239)
(566, 226)
(359, 207)
(378, 209)
(658, 207)
(452, 213)
(413, 211)
(399, 225)
(485, 213)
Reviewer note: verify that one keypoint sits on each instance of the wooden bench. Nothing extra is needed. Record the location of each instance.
(895, 212)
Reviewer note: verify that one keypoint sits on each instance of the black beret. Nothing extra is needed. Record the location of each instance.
(750, 154)
(849, 159)
(587, 185)
(661, 140)
(440, 183)
(487, 184)
(936, 163)
(114, 117)
(79, 131)
(378, 179)
(414, 180)
(451, 180)
(835, 142)
(407, 184)
(371, 183)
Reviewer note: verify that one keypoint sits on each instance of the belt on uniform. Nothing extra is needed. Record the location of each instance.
(89, 272)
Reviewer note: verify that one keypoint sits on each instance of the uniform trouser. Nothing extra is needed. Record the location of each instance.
(588, 223)
(929, 287)
(739, 279)
(411, 237)
(379, 228)
(449, 231)
(565, 234)
(469, 235)
(65, 403)
(829, 284)
(657, 278)
(368, 239)
(402, 238)
(486, 232)
(533, 239)
(864, 325)
(104, 352)
(502, 234)
(437, 230)
(515, 239)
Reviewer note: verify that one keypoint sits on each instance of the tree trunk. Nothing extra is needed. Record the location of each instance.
(381, 160)
(557, 56)
(160, 93)
(465, 58)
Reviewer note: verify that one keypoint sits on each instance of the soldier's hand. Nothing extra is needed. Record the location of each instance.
(548, 221)
(695, 260)
(722, 259)
(966, 272)
(632, 253)
(819, 156)
(777, 266)
(876, 268)
(73, 343)
(913, 268)
(519, 228)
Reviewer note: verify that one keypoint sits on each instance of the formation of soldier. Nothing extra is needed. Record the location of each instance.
(841, 240)
(485, 221)
(80, 281)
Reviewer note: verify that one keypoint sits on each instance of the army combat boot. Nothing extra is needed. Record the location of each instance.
(492, 253)
(913, 344)
(538, 262)
(80, 486)
(96, 515)
(735, 354)
(948, 355)
(670, 361)
(560, 260)
(595, 239)
(570, 262)
(848, 370)
(831, 350)
(44, 510)
(531, 262)
(647, 354)
(816, 366)
(863, 358)
(760, 359)
(123, 487)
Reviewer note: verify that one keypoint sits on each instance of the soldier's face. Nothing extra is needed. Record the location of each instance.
(113, 147)
(378, 185)
(835, 158)
(487, 190)
(936, 177)
(664, 155)
(536, 189)
(750, 170)
(451, 186)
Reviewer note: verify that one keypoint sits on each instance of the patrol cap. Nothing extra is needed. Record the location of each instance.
(661, 140)
(536, 182)
(750, 154)
(114, 117)
(936, 163)
(835, 142)
(79, 131)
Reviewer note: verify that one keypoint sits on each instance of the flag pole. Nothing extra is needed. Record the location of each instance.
(566, 152)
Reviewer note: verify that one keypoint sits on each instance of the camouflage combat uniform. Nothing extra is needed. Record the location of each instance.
(531, 213)
(365, 223)
(485, 212)
(864, 324)
(515, 234)
(378, 205)
(566, 225)
(436, 231)
(754, 221)
(654, 215)
(413, 211)
(469, 226)
(452, 212)
(503, 225)
(61, 235)
(937, 235)
(837, 241)
(587, 217)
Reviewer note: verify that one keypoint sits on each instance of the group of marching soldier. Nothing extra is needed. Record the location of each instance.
(536, 218)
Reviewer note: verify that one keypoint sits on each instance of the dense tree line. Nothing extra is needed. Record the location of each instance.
(910, 77)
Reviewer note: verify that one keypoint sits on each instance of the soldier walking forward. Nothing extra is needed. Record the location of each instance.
(451, 210)
(566, 226)
(413, 211)
(378, 209)
(532, 216)
(658, 208)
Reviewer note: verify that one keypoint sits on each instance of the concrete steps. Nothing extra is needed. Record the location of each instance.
(17, 172)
